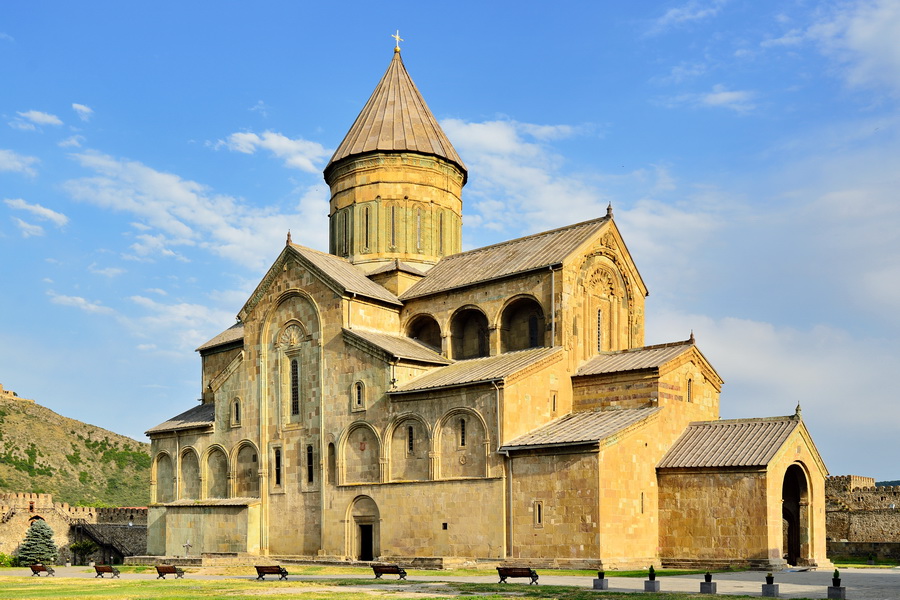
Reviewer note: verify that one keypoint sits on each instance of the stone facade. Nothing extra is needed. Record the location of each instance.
(118, 531)
(398, 399)
(858, 511)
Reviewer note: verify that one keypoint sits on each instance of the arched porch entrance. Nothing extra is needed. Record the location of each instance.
(795, 516)
(363, 529)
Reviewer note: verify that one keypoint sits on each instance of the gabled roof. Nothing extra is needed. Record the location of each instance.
(581, 428)
(396, 119)
(396, 265)
(731, 443)
(635, 359)
(477, 370)
(196, 418)
(230, 335)
(399, 346)
(521, 255)
(347, 277)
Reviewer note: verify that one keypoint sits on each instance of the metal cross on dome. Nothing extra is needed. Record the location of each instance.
(397, 40)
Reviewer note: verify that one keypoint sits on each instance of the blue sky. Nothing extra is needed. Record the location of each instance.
(153, 156)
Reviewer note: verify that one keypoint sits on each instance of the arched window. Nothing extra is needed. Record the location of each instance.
(346, 236)
(462, 433)
(418, 229)
(410, 440)
(310, 470)
(366, 226)
(359, 396)
(277, 466)
(441, 234)
(690, 390)
(236, 412)
(599, 330)
(332, 464)
(295, 386)
(393, 226)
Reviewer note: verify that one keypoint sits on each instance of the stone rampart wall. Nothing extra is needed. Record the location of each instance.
(881, 550)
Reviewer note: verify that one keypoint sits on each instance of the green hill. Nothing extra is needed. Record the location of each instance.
(43, 452)
(886, 483)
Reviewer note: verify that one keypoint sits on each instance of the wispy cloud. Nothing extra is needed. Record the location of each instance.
(188, 323)
(17, 163)
(40, 118)
(692, 11)
(28, 229)
(105, 272)
(80, 303)
(296, 153)
(740, 101)
(74, 141)
(6, 37)
(175, 214)
(38, 211)
(84, 112)
(862, 38)
(261, 108)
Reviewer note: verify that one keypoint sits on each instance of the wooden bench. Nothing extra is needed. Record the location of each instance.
(505, 572)
(389, 570)
(102, 570)
(163, 570)
(262, 571)
(38, 569)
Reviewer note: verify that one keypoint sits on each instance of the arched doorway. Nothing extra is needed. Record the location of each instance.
(469, 335)
(522, 325)
(363, 529)
(795, 516)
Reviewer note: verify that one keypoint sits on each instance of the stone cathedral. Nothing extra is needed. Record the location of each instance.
(399, 399)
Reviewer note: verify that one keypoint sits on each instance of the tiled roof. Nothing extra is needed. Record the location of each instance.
(347, 277)
(581, 428)
(396, 119)
(477, 370)
(400, 346)
(195, 418)
(232, 334)
(508, 258)
(732, 443)
(648, 357)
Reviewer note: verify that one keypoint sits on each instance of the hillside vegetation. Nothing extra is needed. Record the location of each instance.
(43, 452)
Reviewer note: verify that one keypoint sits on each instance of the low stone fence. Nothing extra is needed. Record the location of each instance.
(863, 550)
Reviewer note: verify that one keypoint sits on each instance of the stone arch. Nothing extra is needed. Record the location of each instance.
(469, 333)
(189, 479)
(795, 515)
(426, 329)
(245, 473)
(290, 349)
(363, 535)
(462, 440)
(360, 454)
(607, 313)
(216, 479)
(522, 324)
(409, 458)
(164, 476)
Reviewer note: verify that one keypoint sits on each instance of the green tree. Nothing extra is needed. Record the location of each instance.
(83, 548)
(38, 546)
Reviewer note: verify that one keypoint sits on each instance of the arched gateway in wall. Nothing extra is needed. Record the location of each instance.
(363, 539)
(795, 515)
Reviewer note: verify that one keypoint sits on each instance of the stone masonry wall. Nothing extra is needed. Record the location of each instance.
(858, 511)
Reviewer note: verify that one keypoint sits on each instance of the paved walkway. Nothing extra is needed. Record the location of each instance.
(861, 584)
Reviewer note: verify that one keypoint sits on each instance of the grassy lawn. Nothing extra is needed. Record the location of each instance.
(28, 588)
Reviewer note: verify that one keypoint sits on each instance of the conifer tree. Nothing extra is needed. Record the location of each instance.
(38, 546)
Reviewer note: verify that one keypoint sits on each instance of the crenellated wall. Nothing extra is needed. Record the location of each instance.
(859, 511)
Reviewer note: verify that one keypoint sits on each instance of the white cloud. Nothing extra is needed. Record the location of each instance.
(261, 108)
(80, 303)
(740, 101)
(106, 272)
(296, 153)
(28, 229)
(17, 163)
(22, 125)
(694, 10)
(41, 212)
(187, 324)
(768, 370)
(862, 38)
(177, 214)
(74, 141)
(84, 112)
(40, 118)
(6, 37)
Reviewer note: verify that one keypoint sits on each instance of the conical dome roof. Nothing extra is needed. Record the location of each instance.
(396, 119)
